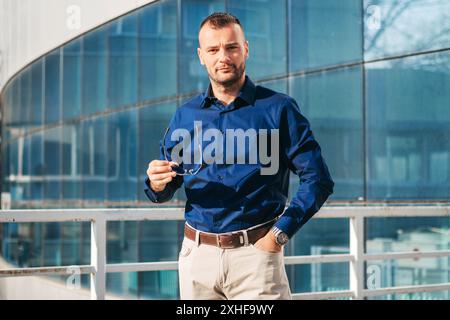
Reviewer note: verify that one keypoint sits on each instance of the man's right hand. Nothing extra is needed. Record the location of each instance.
(160, 174)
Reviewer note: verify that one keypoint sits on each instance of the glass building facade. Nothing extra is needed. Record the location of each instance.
(81, 123)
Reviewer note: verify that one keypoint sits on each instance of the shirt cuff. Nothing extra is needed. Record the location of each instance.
(288, 223)
(153, 195)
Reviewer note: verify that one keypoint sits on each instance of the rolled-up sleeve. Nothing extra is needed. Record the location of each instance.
(304, 158)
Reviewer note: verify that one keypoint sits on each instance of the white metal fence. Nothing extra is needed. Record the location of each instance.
(356, 257)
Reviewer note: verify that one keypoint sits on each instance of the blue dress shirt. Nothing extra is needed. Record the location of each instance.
(225, 197)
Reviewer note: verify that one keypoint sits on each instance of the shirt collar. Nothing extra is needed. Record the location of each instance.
(247, 94)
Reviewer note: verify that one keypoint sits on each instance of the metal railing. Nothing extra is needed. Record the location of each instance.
(356, 257)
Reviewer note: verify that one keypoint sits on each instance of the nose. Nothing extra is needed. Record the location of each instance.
(223, 56)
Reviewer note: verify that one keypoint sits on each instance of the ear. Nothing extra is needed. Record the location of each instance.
(246, 49)
(199, 53)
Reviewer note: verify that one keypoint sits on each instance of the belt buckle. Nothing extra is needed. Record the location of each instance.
(243, 239)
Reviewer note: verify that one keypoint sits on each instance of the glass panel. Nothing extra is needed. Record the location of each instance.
(94, 73)
(14, 188)
(52, 87)
(159, 285)
(71, 162)
(331, 101)
(72, 79)
(264, 25)
(37, 167)
(123, 285)
(407, 234)
(25, 100)
(52, 164)
(94, 157)
(324, 33)
(153, 121)
(319, 237)
(158, 51)
(318, 277)
(36, 94)
(276, 85)
(52, 244)
(408, 128)
(193, 76)
(122, 63)
(71, 243)
(408, 272)
(396, 27)
(122, 152)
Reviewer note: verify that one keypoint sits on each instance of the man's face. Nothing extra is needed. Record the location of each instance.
(223, 52)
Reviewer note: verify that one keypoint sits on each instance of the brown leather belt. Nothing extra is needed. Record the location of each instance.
(230, 240)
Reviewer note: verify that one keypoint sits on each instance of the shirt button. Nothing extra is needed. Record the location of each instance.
(219, 177)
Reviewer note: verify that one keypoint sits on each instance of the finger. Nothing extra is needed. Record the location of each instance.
(163, 182)
(173, 163)
(162, 176)
(157, 163)
(161, 169)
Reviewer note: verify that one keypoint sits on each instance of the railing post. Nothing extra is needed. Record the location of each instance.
(98, 258)
(357, 251)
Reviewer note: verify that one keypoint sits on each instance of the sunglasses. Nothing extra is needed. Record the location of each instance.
(179, 170)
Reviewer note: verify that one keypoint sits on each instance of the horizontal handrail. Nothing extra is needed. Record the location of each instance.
(157, 213)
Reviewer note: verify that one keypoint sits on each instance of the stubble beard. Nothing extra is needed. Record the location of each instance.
(237, 74)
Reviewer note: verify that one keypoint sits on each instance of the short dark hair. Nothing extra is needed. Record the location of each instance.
(218, 20)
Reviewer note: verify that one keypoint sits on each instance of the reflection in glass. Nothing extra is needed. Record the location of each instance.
(324, 33)
(158, 51)
(94, 158)
(396, 27)
(52, 87)
(122, 61)
(122, 148)
(52, 164)
(265, 29)
(72, 79)
(408, 128)
(94, 71)
(153, 121)
(193, 76)
(332, 101)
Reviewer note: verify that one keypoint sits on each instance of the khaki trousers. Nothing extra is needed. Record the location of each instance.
(210, 273)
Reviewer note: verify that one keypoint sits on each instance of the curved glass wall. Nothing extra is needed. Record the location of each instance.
(81, 123)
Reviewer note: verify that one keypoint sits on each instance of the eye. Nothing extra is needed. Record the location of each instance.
(212, 50)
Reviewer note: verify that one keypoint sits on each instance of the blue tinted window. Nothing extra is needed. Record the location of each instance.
(94, 75)
(324, 32)
(395, 27)
(264, 23)
(52, 163)
(122, 62)
(276, 85)
(409, 140)
(193, 76)
(37, 166)
(94, 157)
(72, 80)
(52, 87)
(332, 102)
(153, 120)
(122, 151)
(36, 94)
(71, 161)
(25, 100)
(158, 51)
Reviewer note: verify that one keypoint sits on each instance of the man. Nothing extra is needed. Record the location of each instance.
(236, 222)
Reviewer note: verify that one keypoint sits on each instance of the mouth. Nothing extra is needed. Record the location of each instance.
(225, 69)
